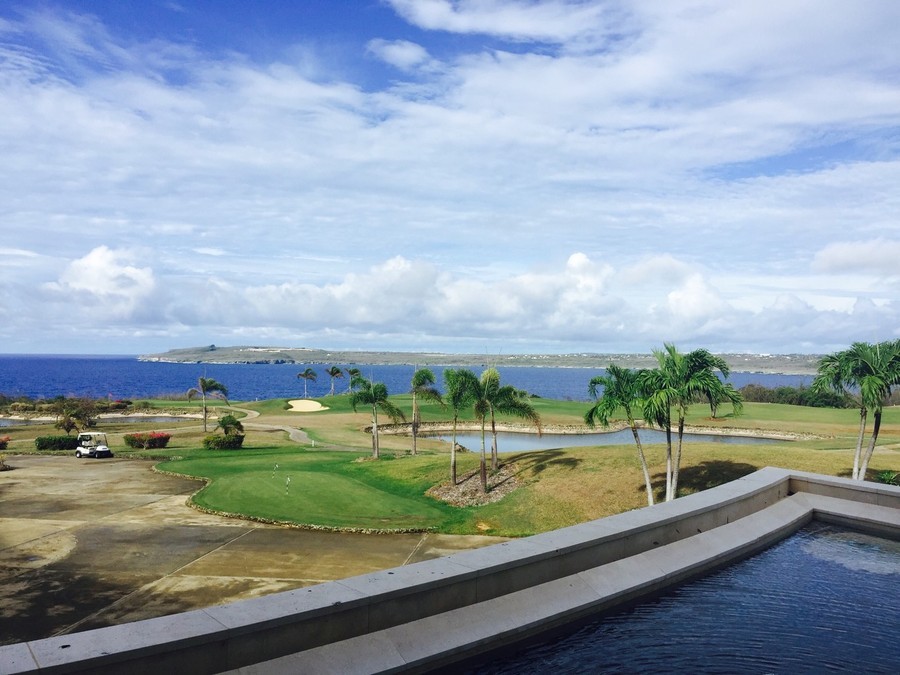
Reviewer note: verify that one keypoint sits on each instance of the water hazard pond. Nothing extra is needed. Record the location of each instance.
(519, 442)
(118, 419)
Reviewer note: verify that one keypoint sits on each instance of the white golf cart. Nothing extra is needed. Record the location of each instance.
(92, 444)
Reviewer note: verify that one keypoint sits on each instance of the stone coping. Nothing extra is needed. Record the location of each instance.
(434, 613)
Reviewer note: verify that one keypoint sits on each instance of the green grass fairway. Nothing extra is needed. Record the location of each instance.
(318, 489)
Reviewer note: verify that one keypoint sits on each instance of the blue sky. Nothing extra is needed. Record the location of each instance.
(469, 175)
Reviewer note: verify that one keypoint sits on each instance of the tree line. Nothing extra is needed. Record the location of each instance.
(484, 394)
(864, 375)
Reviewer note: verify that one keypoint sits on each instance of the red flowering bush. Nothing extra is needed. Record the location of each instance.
(145, 441)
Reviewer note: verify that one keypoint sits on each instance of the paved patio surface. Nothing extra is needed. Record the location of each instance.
(89, 543)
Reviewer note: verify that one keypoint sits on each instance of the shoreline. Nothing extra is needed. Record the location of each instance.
(579, 430)
(764, 364)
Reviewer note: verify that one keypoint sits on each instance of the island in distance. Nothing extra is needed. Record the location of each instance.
(788, 364)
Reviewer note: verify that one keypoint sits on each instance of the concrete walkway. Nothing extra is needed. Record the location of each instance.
(91, 543)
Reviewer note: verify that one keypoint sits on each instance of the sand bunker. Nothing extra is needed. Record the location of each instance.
(306, 406)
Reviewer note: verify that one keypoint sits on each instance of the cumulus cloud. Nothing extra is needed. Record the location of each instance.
(105, 281)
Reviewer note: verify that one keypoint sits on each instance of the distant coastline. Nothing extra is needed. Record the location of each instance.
(787, 364)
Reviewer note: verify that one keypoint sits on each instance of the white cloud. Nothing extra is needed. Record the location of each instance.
(553, 20)
(878, 256)
(704, 159)
(106, 284)
(402, 54)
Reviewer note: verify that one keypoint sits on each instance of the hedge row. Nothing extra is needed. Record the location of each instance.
(56, 442)
(226, 442)
(145, 441)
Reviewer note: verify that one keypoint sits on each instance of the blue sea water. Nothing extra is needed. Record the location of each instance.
(120, 377)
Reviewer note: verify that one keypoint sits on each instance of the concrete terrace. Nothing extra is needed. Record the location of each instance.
(434, 613)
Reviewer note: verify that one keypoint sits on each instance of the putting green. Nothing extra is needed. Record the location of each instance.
(307, 490)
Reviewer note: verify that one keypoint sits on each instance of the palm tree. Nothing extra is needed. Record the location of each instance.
(374, 394)
(306, 376)
(481, 408)
(207, 386)
(459, 393)
(334, 372)
(871, 370)
(422, 386)
(353, 373)
(727, 394)
(505, 400)
(620, 390)
(677, 382)
(230, 425)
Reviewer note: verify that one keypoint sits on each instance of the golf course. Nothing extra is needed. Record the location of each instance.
(329, 481)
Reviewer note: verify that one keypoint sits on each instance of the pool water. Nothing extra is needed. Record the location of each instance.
(824, 600)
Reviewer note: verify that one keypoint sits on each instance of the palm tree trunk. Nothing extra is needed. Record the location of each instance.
(668, 461)
(415, 422)
(483, 461)
(647, 483)
(495, 463)
(203, 397)
(375, 448)
(677, 462)
(865, 462)
(453, 454)
(859, 441)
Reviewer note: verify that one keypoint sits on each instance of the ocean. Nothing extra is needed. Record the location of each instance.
(125, 377)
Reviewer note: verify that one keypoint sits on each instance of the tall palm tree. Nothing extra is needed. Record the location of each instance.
(481, 408)
(422, 386)
(375, 394)
(334, 372)
(459, 391)
(352, 373)
(620, 390)
(505, 400)
(207, 386)
(870, 370)
(678, 381)
(306, 376)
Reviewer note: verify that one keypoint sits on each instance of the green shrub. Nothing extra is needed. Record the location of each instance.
(889, 477)
(795, 396)
(144, 441)
(56, 442)
(226, 442)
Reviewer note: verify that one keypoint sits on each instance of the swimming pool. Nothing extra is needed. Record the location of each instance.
(823, 600)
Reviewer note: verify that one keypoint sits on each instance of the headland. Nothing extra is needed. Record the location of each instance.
(788, 364)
